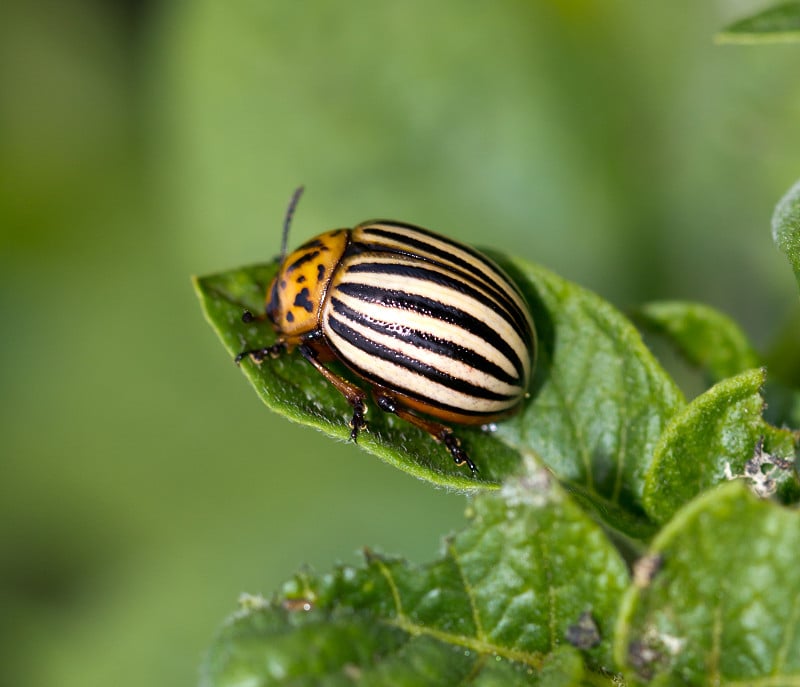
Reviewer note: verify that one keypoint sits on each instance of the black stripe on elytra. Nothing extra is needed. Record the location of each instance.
(488, 281)
(377, 350)
(427, 341)
(480, 257)
(393, 298)
(422, 398)
(446, 279)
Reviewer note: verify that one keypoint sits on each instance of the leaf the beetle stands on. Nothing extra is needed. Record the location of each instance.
(492, 610)
(290, 386)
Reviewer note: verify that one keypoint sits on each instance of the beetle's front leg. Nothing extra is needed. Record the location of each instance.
(258, 355)
(355, 396)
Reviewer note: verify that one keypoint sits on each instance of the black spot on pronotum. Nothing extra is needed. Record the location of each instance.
(320, 271)
(283, 283)
(301, 300)
(290, 316)
(314, 243)
(301, 279)
(302, 260)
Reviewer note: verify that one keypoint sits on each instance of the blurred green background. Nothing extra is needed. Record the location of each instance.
(142, 484)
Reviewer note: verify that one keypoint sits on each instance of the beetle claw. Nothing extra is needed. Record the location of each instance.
(460, 456)
(358, 422)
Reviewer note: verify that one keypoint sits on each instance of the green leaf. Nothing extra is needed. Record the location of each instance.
(711, 441)
(599, 400)
(290, 386)
(786, 227)
(704, 336)
(723, 608)
(783, 357)
(492, 610)
(779, 24)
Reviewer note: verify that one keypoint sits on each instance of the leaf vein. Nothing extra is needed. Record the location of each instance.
(534, 659)
(470, 594)
(387, 574)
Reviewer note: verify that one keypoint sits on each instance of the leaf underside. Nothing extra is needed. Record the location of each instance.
(786, 227)
(778, 24)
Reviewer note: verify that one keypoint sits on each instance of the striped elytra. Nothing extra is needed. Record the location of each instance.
(434, 329)
(431, 320)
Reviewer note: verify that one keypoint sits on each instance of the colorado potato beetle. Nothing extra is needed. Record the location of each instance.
(435, 330)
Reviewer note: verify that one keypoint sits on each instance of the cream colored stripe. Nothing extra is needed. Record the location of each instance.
(443, 295)
(487, 268)
(444, 364)
(429, 325)
(396, 377)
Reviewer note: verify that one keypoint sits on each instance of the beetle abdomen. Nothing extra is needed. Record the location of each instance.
(428, 318)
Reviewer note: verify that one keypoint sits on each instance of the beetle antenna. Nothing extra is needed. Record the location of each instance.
(287, 222)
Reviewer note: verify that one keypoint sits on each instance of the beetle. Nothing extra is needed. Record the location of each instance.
(437, 331)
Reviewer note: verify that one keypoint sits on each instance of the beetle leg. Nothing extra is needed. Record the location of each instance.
(258, 355)
(355, 396)
(441, 433)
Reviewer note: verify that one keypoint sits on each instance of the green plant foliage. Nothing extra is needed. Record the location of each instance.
(494, 609)
(779, 24)
(599, 400)
(711, 440)
(786, 227)
(723, 607)
(535, 589)
(704, 336)
(784, 358)
(598, 404)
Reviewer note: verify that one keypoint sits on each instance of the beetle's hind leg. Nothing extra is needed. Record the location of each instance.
(355, 396)
(441, 433)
